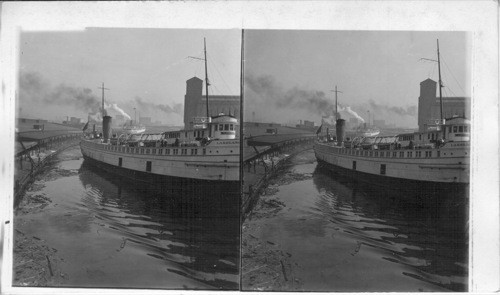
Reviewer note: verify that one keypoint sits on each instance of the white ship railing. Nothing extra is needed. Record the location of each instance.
(161, 151)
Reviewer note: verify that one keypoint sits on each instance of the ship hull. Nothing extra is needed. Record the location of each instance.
(392, 184)
(426, 174)
(154, 164)
(186, 197)
(163, 181)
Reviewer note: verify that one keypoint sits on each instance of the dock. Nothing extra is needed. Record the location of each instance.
(263, 157)
(35, 145)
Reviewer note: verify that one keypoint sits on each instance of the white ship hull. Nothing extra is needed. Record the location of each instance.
(218, 161)
(449, 164)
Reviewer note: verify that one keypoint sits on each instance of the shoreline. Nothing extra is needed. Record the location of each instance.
(35, 262)
(265, 265)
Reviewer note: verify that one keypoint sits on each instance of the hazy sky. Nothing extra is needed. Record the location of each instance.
(289, 73)
(148, 64)
(375, 70)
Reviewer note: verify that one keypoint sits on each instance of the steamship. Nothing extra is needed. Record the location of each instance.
(208, 152)
(437, 158)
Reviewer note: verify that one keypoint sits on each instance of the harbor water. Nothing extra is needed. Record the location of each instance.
(346, 236)
(111, 232)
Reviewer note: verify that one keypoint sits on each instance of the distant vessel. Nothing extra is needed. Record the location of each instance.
(434, 159)
(133, 128)
(365, 131)
(208, 152)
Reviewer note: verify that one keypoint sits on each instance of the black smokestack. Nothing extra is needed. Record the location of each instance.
(340, 128)
(106, 128)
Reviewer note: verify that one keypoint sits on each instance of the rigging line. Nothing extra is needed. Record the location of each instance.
(433, 70)
(217, 90)
(452, 75)
(222, 77)
(451, 91)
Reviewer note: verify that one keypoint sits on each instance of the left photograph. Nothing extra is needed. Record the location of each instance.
(127, 159)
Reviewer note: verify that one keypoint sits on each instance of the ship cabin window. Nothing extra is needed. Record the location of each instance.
(382, 169)
(148, 166)
(231, 127)
(215, 127)
(221, 127)
(460, 128)
(119, 162)
(226, 127)
(455, 129)
(466, 129)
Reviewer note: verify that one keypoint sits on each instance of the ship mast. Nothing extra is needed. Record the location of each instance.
(441, 121)
(102, 87)
(336, 105)
(206, 75)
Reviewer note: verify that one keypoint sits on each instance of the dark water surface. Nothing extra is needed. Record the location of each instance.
(114, 233)
(350, 237)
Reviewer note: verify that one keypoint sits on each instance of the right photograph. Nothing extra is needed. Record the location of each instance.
(356, 163)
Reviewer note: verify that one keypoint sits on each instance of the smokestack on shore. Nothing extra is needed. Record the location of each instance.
(106, 128)
(340, 128)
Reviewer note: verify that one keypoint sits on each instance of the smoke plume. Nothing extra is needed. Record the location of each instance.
(315, 102)
(348, 110)
(300, 103)
(410, 111)
(36, 93)
(145, 106)
(115, 107)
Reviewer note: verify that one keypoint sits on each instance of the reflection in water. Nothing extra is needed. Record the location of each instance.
(171, 225)
(425, 234)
